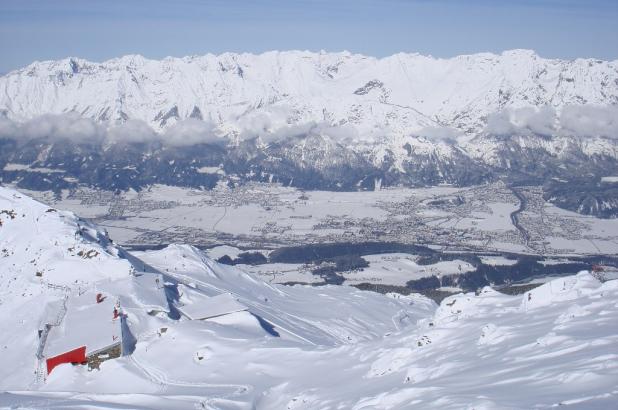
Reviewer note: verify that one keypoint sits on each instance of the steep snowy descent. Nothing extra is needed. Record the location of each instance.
(52, 261)
(46, 255)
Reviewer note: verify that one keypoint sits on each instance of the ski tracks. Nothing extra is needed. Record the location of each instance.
(160, 378)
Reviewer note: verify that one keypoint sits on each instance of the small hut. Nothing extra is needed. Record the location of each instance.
(90, 331)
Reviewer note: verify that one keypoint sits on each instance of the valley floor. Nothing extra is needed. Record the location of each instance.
(262, 217)
(488, 217)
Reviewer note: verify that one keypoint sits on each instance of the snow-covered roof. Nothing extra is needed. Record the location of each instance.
(86, 323)
(199, 306)
(144, 290)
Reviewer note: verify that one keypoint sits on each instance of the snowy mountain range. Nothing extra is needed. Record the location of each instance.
(246, 92)
(197, 334)
(333, 121)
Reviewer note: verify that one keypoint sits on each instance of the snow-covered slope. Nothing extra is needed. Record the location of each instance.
(278, 89)
(298, 347)
(51, 258)
(45, 254)
(285, 308)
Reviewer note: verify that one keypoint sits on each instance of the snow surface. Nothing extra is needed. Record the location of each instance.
(399, 268)
(498, 261)
(296, 347)
(196, 305)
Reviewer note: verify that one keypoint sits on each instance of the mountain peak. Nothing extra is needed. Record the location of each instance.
(520, 52)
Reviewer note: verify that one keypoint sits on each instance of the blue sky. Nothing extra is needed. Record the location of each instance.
(97, 30)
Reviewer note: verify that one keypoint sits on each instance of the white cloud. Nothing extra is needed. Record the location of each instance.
(190, 132)
(590, 121)
(339, 133)
(523, 121)
(132, 131)
(72, 127)
(270, 124)
(8, 129)
(573, 120)
(278, 124)
(439, 133)
(287, 131)
(69, 126)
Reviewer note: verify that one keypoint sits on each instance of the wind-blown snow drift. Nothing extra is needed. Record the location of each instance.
(295, 347)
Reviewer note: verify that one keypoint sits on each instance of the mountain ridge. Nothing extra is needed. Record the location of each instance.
(344, 53)
(262, 92)
(333, 121)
